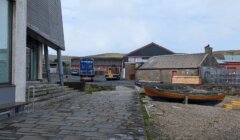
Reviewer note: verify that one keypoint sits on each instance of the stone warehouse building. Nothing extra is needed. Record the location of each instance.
(27, 28)
(162, 68)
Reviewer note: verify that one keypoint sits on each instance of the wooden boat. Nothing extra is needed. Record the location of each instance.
(192, 95)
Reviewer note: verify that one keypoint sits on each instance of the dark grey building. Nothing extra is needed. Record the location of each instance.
(27, 28)
(44, 22)
(133, 59)
(144, 53)
(44, 29)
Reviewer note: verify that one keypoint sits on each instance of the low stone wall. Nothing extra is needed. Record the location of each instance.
(76, 85)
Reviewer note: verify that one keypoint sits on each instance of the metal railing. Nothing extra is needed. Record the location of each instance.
(222, 79)
(32, 99)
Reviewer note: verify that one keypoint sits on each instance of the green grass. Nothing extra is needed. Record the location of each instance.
(90, 90)
(109, 55)
(145, 117)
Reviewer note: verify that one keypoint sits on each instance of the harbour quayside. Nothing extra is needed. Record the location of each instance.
(181, 92)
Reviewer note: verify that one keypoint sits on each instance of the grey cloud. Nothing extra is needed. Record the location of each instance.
(118, 25)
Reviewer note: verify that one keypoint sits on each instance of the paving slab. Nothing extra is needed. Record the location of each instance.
(105, 115)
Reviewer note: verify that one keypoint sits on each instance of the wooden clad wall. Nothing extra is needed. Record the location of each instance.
(195, 80)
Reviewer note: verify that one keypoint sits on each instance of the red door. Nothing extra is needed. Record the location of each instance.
(174, 73)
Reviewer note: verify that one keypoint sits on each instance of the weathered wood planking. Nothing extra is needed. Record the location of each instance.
(196, 80)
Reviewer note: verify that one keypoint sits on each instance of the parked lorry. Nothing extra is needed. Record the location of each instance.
(86, 71)
(113, 73)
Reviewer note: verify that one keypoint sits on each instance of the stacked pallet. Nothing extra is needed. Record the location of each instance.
(194, 80)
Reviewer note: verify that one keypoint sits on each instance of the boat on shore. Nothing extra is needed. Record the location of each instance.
(192, 95)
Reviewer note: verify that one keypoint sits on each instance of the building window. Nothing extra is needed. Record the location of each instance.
(131, 59)
(138, 60)
(5, 25)
(135, 59)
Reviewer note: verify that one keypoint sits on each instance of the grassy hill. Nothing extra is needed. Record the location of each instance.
(108, 55)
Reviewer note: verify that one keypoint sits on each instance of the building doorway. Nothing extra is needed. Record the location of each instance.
(174, 73)
(32, 60)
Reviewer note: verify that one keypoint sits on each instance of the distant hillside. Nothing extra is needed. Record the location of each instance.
(218, 54)
(105, 55)
(64, 58)
(108, 55)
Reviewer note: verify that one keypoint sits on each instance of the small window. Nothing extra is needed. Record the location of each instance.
(139, 60)
(131, 59)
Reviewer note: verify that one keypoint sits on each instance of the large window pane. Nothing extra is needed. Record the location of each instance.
(4, 41)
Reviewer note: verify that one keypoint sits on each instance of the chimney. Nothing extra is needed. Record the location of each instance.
(208, 49)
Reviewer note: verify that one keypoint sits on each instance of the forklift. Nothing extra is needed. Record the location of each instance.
(113, 73)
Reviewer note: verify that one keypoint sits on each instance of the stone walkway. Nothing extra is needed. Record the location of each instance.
(109, 115)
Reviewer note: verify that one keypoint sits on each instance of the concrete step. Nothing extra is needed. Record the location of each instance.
(49, 101)
(49, 96)
(42, 86)
(48, 90)
(32, 82)
(45, 92)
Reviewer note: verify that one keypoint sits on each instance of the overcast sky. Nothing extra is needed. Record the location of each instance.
(104, 26)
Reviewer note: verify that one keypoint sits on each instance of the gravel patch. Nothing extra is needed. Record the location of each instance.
(171, 120)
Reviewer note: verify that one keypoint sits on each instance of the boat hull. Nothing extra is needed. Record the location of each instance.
(151, 92)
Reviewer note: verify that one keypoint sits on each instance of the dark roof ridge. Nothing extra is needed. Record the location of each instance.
(169, 55)
(147, 46)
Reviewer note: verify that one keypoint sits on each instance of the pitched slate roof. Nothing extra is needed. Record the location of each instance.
(151, 49)
(175, 61)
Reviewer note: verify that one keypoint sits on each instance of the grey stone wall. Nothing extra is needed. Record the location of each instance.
(210, 61)
(148, 75)
(164, 75)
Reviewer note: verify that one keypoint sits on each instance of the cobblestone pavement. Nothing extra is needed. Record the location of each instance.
(109, 115)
